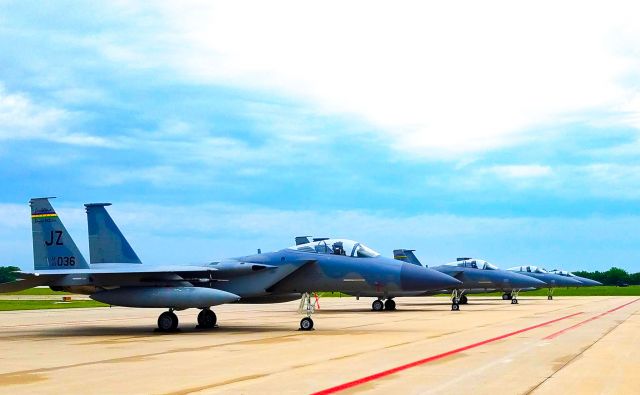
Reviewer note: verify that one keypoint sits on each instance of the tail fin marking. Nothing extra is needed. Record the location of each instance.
(53, 247)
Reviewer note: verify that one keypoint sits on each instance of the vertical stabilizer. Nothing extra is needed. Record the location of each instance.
(106, 242)
(406, 256)
(53, 247)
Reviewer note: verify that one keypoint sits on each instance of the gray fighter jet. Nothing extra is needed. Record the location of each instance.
(553, 280)
(331, 265)
(477, 276)
(586, 282)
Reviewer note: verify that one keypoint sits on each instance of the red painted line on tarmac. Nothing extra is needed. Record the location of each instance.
(385, 373)
(556, 334)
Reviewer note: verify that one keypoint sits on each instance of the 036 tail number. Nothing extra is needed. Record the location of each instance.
(62, 261)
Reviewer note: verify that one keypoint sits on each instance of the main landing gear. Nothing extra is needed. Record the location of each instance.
(168, 321)
(306, 324)
(379, 305)
(206, 319)
(550, 294)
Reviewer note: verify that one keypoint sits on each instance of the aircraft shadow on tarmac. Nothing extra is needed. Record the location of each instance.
(148, 330)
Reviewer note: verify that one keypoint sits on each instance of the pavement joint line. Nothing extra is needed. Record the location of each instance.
(366, 379)
(562, 331)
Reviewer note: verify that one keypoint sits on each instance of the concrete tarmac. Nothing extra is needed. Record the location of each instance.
(586, 345)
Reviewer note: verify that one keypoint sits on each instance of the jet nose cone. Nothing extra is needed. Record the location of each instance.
(521, 281)
(588, 282)
(419, 278)
(567, 281)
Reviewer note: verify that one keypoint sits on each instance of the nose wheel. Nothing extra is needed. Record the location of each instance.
(514, 296)
(550, 294)
(457, 298)
(206, 319)
(168, 321)
(306, 324)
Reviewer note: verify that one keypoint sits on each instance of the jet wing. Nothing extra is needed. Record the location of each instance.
(107, 274)
(140, 269)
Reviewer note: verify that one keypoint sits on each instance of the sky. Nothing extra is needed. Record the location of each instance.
(501, 130)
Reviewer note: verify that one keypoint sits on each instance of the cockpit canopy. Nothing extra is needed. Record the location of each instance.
(563, 273)
(338, 247)
(474, 264)
(528, 269)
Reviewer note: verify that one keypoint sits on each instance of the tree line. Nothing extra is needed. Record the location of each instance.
(613, 276)
(8, 273)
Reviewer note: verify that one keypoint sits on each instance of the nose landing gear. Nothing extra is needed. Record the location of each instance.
(306, 324)
(457, 298)
(514, 296)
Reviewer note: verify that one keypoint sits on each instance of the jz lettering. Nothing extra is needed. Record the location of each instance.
(57, 238)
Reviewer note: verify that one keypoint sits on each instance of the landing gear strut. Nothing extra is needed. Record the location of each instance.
(514, 296)
(168, 321)
(550, 294)
(457, 298)
(206, 319)
(306, 324)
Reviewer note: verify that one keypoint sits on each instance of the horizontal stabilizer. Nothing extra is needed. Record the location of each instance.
(20, 285)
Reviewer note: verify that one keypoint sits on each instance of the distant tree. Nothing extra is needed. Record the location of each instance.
(7, 273)
(613, 276)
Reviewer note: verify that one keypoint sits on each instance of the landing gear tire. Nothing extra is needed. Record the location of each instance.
(550, 297)
(506, 296)
(207, 319)
(463, 299)
(377, 305)
(306, 324)
(514, 301)
(168, 321)
(455, 307)
(389, 305)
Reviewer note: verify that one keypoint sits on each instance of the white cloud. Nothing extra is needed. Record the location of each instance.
(22, 119)
(518, 171)
(433, 78)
